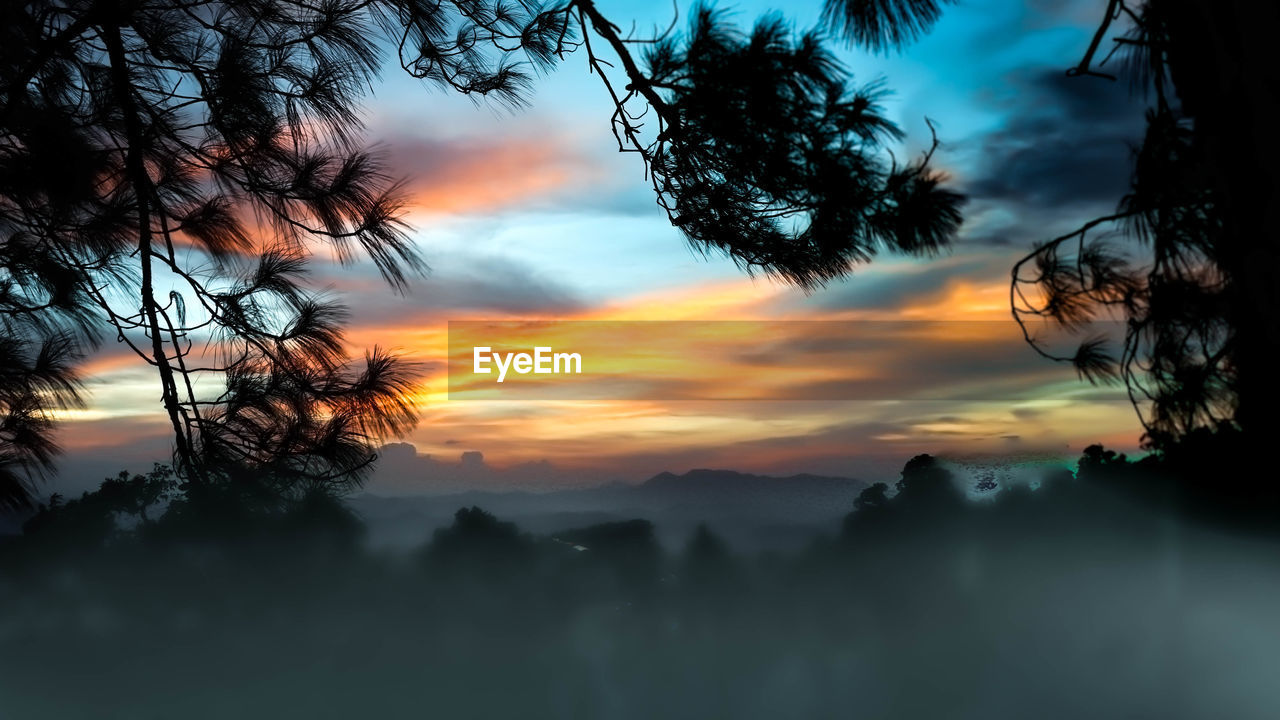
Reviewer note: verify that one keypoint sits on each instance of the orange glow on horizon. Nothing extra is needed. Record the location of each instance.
(603, 433)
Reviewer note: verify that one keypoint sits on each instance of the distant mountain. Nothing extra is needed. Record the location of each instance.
(753, 510)
(721, 493)
(729, 485)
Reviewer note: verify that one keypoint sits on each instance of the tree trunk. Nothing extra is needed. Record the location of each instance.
(136, 171)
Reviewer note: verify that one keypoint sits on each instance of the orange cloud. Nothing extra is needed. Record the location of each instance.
(605, 433)
(595, 433)
(486, 174)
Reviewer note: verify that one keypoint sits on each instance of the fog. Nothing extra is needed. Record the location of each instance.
(1097, 594)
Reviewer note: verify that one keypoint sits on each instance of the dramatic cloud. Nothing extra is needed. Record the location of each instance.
(1064, 152)
(457, 285)
(1068, 142)
(892, 285)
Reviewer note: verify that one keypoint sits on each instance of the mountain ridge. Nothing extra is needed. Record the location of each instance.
(743, 505)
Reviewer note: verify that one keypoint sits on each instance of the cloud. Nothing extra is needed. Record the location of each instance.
(457, 285)
(485, 174)
(1063, 155)
(1067, 143)
(888, 286)
(540, 168)
(496, 285)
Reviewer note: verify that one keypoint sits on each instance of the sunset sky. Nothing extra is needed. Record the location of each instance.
(532, 214)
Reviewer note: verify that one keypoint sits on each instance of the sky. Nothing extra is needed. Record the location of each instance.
(532, 214)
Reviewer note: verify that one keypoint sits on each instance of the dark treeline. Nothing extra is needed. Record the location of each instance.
(1094, 592)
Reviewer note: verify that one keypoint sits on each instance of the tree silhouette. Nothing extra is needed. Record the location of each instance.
(83, 526)
(1190, 270)
(168, 167)
(477, 542)
(1191, 278)
(166, 170)
(763, 152)
(872, 509)
(881, 25)
(31, 385)
(926, 483)
(708, 570)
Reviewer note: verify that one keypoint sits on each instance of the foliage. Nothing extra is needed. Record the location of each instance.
(883, 24)
(1182, 263)
(168, 168)
(764, 152)
(31, 385)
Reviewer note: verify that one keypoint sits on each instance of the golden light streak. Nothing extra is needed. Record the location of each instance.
(595, 433)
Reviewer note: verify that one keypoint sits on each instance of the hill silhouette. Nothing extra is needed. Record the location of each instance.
(753, 511)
